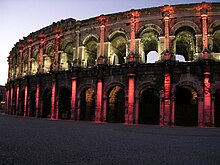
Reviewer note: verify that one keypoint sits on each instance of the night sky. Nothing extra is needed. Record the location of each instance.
(21, 17)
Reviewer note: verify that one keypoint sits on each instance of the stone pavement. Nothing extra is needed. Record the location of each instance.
(27, 141)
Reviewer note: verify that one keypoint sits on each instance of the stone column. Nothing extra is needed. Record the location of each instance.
(207, 99)
(167, 102)
(26, 110)
(200, 111)
(73, 101)
(166, 15)
(77, 58)
(30, 41)
(131, 87)
(53, 101)
(57, 45)
(21, 47)
(37, 99)
(42, 41)
(17, 100)
(98, 101)
(204, 15)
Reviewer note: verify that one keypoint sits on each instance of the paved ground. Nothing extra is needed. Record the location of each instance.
(28, 141)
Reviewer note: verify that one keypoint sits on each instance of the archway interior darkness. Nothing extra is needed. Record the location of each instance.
(217, 109)
(116, 105)
(87, 105)
(186, 107)
(46, 113)
(64, 104)
(149, 106)
(33, 104)
(216, 41)
(22, 103)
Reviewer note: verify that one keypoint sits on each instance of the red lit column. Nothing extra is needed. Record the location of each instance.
(99, 101)
(30, 41)
(166, 23)
(73, 104)
(204, 28)
(21, 60)
(102, 20)
(25, 101)
(57, 43)
(52, 116)
(11, 107)
(17, 101)
(130, 99)
(37, 100)
(167, 103)
(42, 41)
(6, 103)
(207, 100)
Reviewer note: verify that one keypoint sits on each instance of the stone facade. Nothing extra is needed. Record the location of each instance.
(100, 70)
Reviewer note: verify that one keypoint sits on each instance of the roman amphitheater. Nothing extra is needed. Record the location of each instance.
(156, 65)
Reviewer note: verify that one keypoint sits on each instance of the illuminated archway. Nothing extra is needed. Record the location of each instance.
(186, 106)
(217, 109)
(32, 104)
(149, 106)
(116, 105)
(118, 47)
(149, 41)
(66, 57)
(46, 111)
(216, 41)
(87, 105)
(91, 51)
(64, 104)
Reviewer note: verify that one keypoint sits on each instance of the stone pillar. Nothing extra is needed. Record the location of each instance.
(167, 102)
(7, 103)
(11, 100)
(213, 112)
(26, 111)
(161, 46)
(73, 101)
(42, 41)
(10, 67)
(30, 41)
(104, 109)
(131, 87)
(37, 99)
(200, 111)
(204, 15)
(207, 100)
(77, 57)
(21, 47)
(17, 100)
(57, 45)
(98, 101)
(53, 101)
(166, 15)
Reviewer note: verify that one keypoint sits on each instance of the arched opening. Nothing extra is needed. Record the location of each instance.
(185, 43)
(186, 107)
(22, 103)
(34, 62)
(116, 105)
(32, 104)
(149, 106)
(180, 58)
(217, 109)
(46, 111)
(149, 40)
(216, 42)
(118, 48)
(87, 105)
(48, 59)
(91, 51)
(64, 104)
(66, 57)
(152, 57)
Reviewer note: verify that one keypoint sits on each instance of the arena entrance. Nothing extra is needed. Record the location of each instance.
(186, 107)
(32, 104)
(64, 104)
(217, 109)
(116, 105)
(149, 107)
(87, 105)
(46, 112)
